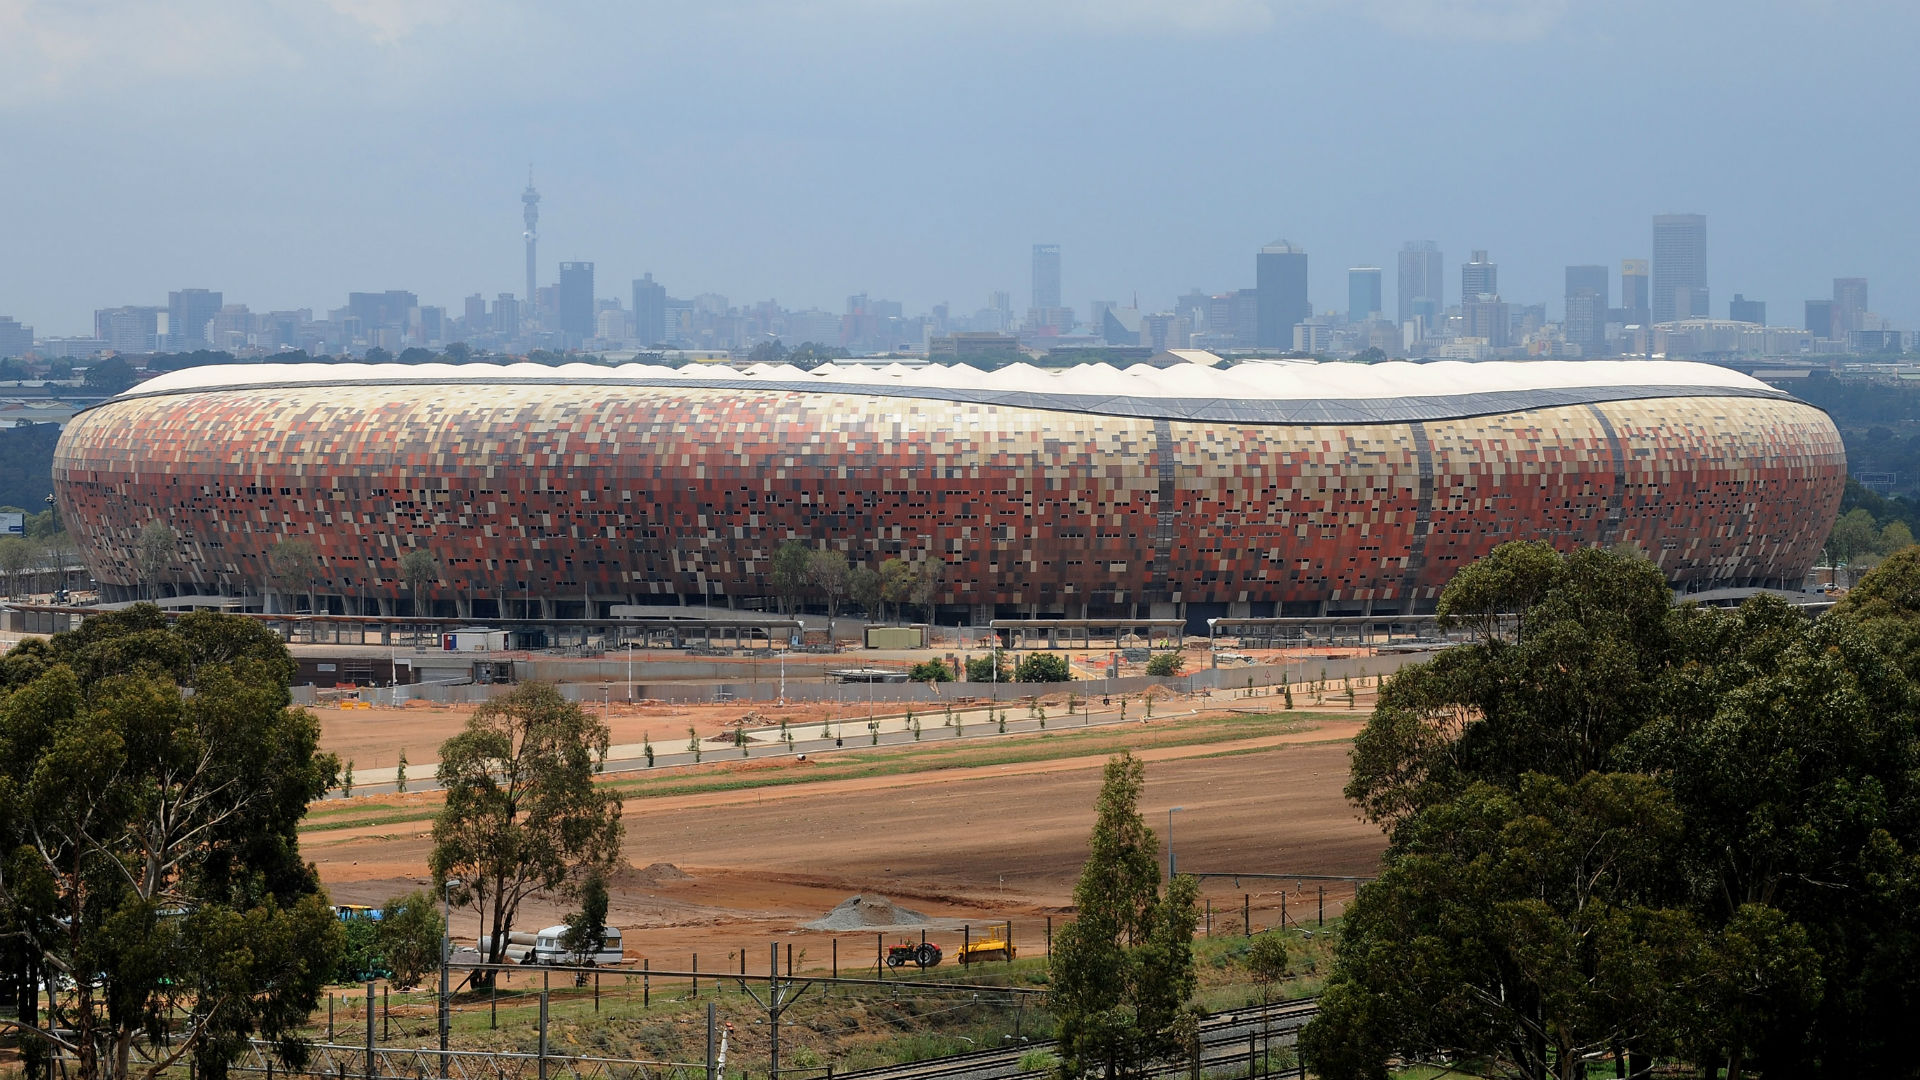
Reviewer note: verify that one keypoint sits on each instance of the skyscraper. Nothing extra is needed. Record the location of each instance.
(1046, 276)
(1481, 277)
(1423, 275)
(1634, 293)
(530, 213)
(1488, 318)
(1280, 276)
(650, 312)
(576, 301)
(1820, 319)
(1586, 324)
(188, 313)
(506, 315)
(382, 310)
(1849, 306)
(1744, 310)
(1679, 267)
(1363, 293)
(15, 338)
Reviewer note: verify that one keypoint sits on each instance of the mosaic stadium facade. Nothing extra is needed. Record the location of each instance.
(1260, 489)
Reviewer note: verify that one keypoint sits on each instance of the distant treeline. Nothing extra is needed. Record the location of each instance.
(1879, 422)
(26, 465)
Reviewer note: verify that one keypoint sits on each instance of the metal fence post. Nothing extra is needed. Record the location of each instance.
(545, 987)
(369, 1029)
(1246, 913)
(773, 1005)
(710, 1047)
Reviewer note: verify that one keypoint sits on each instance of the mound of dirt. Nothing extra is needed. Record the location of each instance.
(864, 912)
(658, 873)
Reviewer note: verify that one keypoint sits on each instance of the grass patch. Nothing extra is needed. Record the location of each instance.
(845, 1026)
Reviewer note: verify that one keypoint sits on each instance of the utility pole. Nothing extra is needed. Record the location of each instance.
(780, 995)
(446, 958)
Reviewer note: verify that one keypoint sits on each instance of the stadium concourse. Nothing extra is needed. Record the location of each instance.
(1267, 488)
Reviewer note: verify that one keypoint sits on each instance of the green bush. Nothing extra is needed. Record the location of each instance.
(360, 957)
(410, 936)
(1166, 663)
(1042, 667)
(981, 668)
(931, 671)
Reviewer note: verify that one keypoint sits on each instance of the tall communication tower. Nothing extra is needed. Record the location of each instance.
(530, 200)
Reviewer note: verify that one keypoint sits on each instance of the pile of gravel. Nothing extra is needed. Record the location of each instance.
(864, 912)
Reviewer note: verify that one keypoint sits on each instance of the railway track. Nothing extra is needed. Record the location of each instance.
(1224, 1039)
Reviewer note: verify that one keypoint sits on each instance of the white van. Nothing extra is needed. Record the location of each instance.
(548, 950)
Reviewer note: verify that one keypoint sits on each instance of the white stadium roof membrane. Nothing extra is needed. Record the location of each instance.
(1252, 391)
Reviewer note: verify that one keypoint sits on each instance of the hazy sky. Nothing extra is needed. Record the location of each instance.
(802, 150)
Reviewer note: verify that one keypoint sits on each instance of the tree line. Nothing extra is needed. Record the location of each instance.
(1630, 836)
(801, 573)
(153, 775)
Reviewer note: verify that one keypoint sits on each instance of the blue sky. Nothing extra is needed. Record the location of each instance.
(287, 152)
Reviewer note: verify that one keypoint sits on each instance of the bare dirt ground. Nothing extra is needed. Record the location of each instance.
(372, 738)
(967, 846)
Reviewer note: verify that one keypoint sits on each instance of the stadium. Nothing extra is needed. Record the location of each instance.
(1258, 489)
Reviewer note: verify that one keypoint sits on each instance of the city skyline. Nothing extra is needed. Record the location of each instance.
(701, 145)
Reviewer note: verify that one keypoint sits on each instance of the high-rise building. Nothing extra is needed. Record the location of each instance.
(15, 339)
(1820, 319)
(1489, 318)
(576, 301)
(390, 310)
(1423, 275)
(1586, 323)
(530, 213)
(506, 315)
(1741, 309)
(650, 312)
(1193, 306)
(1481, 277)
(188, 313)
(1280, 276)
(129, 329)
(1679, 267)
(1164, 330)
(1634, 293)
(1046, 276)
(475, 315)
(1363, 293)
(1849, 306)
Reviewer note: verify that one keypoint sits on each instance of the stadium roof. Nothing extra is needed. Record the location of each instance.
(1284, 391)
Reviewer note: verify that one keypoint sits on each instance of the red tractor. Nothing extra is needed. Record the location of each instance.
(921, 954)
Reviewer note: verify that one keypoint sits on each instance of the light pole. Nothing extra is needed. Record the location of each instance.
(446, 958)
(629, 671)
(1171, 810)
